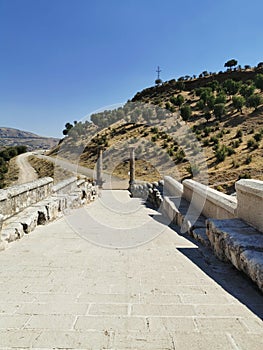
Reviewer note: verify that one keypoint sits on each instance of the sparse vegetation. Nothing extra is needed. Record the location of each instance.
(222, 109)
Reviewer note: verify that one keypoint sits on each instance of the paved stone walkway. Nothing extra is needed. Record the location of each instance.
(58, 290)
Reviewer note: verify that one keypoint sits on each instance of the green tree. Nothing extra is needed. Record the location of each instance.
(179, 100)
(238, 102)
(12, 152)
(247, 90)
(21, 149)
(68, 126)
(220, 98)
(219, 110)
(211, 102)
(231, 87)
(207, 116)
(173, 100)
(259, 81)
(186, 112)
(231, 63)
(254, 101)
(214, 85)
(200, 105)
(179, 85)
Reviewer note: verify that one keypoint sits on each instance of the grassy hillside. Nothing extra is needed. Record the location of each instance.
(179, 128)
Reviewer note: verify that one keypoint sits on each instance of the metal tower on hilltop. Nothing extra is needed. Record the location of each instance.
(158, 81)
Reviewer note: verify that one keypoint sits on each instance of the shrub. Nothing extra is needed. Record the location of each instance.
(230, 151)
(206, 143)
(179, 100)
(200, 105)
(238, 102)
(254, 101)
(239, 134)
(252, 144)
(186, 112)
(207, 116)
(220, 134)
(220, 98)
(244, 176)
(193, 169)
(248, 159)
(235, 143)
(246, 90)
(207, 131)
(221, 153)
(180, 155)
(259, 81)
(219, 110)
(258, 137)
(214, 140)
(170, 152)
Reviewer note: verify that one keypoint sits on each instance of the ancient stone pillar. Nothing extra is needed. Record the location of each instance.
(99, 168)
(132, 166)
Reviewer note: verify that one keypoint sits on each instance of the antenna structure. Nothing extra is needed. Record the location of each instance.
(158, 81)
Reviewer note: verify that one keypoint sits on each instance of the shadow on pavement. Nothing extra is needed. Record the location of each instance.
(225, 274)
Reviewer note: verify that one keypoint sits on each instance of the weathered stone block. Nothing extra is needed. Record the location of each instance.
(12, 231)
(235, 241)
(250, 202)
(252, 262)
(16, 198)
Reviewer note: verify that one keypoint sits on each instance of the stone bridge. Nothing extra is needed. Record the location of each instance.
(106, 270)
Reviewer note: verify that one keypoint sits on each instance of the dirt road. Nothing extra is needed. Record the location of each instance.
(26, 171)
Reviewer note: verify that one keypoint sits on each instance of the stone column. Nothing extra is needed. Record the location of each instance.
(99, 168)
(132, 167)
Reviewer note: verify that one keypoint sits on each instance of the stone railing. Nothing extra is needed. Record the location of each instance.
(23, 207)
(246, 205)
(230, 225)
(16, 198)
(210, 202)
(250, 202)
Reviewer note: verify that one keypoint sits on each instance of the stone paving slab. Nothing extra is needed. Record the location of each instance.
(60, 291)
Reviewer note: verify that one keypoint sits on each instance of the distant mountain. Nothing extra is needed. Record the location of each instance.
(14, 137)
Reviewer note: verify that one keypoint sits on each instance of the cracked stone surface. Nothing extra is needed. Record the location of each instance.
(59, 291)
(236, 241)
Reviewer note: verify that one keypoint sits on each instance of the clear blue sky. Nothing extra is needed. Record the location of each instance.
(62, 59)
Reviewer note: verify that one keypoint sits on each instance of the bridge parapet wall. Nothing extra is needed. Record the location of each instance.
(247, 205)
(232, 226)
(17, 198)
(23, 207)
(250, 202)
(210, 202)
(66, 186)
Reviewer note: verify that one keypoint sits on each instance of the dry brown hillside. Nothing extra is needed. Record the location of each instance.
(223, 119)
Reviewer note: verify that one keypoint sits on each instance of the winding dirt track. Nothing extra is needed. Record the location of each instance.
(26, 172)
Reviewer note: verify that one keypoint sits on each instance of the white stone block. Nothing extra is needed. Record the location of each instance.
(250, 202)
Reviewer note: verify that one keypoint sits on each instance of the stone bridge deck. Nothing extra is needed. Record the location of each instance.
(58, 290)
